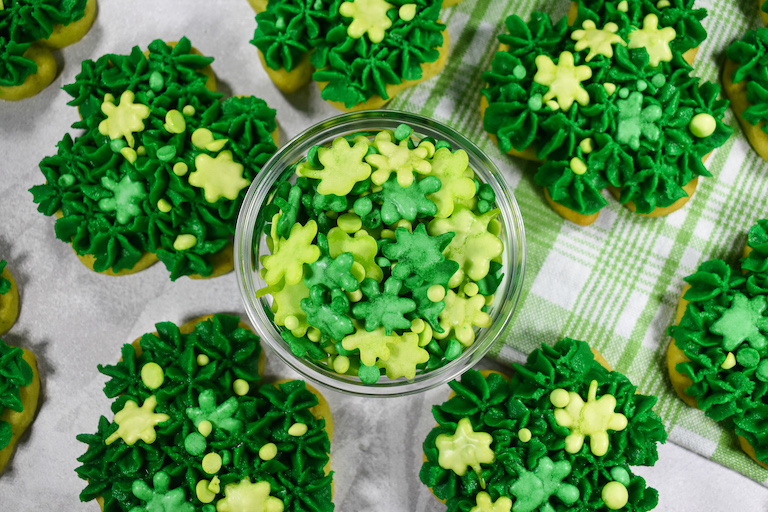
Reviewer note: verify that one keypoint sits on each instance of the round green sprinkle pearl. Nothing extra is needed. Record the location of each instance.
(184, 242)
(268, 451)
(382, 261)
(129, 154)
(453, 349)
(117, 144)
(578, 166)
(535, 102)
(240, 387)
(341, 364)
(166, 153)
(164, 206)
(518, 72)
(587, 146)
(485, 191)
(291, 322)
(559, 398)
(609, 88)
(402, 132)
(313, 334)
(66, 180)
(156, 81)
(436, 293)
(367, 374)
(620, 475)
(762, 371)
(349, 222)
(180, 168)
(388, 234)
(188, 110)
(141, 151)
(195, 444)
(212, 463)
(203, 360)
(174, 122)
(484, 206)
(209, 508)
(641, 85)
(524, 435)
(407, 12)
(658, 80)
(730, 361)
(623, 93)
(363, 206)
(748, 357)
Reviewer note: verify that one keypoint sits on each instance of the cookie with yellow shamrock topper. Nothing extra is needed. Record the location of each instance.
(192, 397)
(604, 98)
(560, 434)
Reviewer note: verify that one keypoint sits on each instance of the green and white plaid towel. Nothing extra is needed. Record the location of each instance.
(616, 283)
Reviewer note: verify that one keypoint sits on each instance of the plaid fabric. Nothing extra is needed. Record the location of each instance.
(616, 283)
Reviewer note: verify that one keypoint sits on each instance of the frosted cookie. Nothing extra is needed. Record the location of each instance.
(605, 99)
(745, 83)
(9, 298)
(718, 357)
(162, 166)
(19, 390)
(29, 30)
(194, 429)
(560, 435)
(361, 52)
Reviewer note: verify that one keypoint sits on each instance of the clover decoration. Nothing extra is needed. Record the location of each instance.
(512, 452)
(356, 49)
(368, 287)
(724, 338)
(161, 168)
(208, 453)
(599, 103)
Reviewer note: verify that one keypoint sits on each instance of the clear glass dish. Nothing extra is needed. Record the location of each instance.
(250, 244)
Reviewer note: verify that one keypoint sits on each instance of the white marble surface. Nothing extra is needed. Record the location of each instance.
(75, 319)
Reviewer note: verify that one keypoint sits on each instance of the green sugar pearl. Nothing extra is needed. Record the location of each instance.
(156, 81)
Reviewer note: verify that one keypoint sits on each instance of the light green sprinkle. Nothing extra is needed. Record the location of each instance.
(241, 387)
(184, 242)
(180, 168)
(164, 206)
(188, 111)
(587, 146)
(268, 451)
(297, 429)
(702, 125)
(174, 122)
(578, 166)
(407, 12)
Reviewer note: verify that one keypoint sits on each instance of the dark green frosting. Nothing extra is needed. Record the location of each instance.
(263, 415)
(5, 284)
(355, 69)
(169, 79)
(650, 170)
(751, 56)
(502, 408)
(14, 374)
(22, 22)
(726, 314)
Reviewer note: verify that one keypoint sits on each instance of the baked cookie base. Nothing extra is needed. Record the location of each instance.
(9, 303)
(21, 420)
(737, 93)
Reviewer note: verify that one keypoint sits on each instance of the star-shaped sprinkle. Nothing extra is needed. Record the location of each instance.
(245, 496)
(161, 499)
(465, 448)
(288, 262)
(742, 321)
(343, 166)
(398, 159)
(599, 41)
(126, 199)
(634, 120)
(564, 80)
(219, 177)
(485, 504)
(367, 16)
(592, 419)
(136, 422)
(654, 40)
(533, 489)
(385, 308)
(124, 119)
(220, 416)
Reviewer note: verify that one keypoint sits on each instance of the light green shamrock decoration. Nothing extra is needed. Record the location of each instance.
(218, 177)
(403, 357)
(654, 40)
(161, 499)
(245, 496)
(287, 303)
(455, 186)
(123, 120)
(343, 166)
(599, 41)
(465, 448)
(367, 16)
(363, 248)
(219, 416)
(634, 120)
(473, 247)
(397, 158)
(372, 345)
(533, 489)
(485, 504)
(563, 80)
(743, 321)
(288, 262)
(460, 315)
(126, 199)
(136, 422)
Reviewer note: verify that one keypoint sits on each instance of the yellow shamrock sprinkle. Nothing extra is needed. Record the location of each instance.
(599, 41)
(367, 16)
(136, 422)
(249, 497)
(484, 503)
(465, 448)
(564, 80)
(654, 40)
(219, 177)
(123, 120)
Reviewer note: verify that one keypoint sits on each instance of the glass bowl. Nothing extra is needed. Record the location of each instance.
(250, 244)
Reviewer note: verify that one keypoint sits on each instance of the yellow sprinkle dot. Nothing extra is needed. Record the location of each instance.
(355, 296)
(552, 104)
(297, 429)
(180, 168)
(216, 145)
(403, 223)
(205, 427)
(358, 271)
(578, 166)
(349, 222)
(587, 146)
(330, 349)
(429, 147)
(702, 125)
(129, 154)
(387, 233)
(662, 4)
(212, 463)
(164, 206)
(188, 111)
(524, 435)
(436, 293)
(174, 122)
(203, 493)
(202, 137)
(730, 361)
(241, 387)
(291, 322)
(623, 6)
(559, 398)
(141, 151)
(489, 299)
(610, 88)
(268, 451)
(313, 334)
(215, 485)
(471, 289)
(152, 375)
(341, 364)
(184, 242)
(615, 495)
(203, 360)
(418, 325)
(407, 12)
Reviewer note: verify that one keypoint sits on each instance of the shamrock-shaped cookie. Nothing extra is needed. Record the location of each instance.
(162, 166)
(361, 52)
(718, 359)
(195, 430)
(560, 435)
(605, 99)
(29, 30)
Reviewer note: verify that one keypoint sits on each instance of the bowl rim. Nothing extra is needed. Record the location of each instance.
(322, 133)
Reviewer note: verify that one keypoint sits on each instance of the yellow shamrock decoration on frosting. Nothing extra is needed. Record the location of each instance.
(654, 40)
(485, 504)
(465, 448)
(219, 177)
(249, 497)
(367, 16)
(593, 418)
(123, 120)
(136, 422)
(599, 41)
(564, 80)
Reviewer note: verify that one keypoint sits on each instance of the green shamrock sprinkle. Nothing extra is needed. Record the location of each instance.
(220, 416)
(420, 254)
(533, 489)
(372, 345)
(743, 321)
(385, 308)
(363, 248)
(636, 120)
(330, 317)
(161, 499)
(331, 272)
(287, 307)
(126, 199)
(407, 201)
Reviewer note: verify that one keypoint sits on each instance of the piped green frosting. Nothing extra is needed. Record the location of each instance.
(22, 22)
(751, 56)
(536, 471)
(240, 425)
(14, 374)
(355, 69)
(637, 116)
(727, 314)
(108, 191)
(5, 284)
